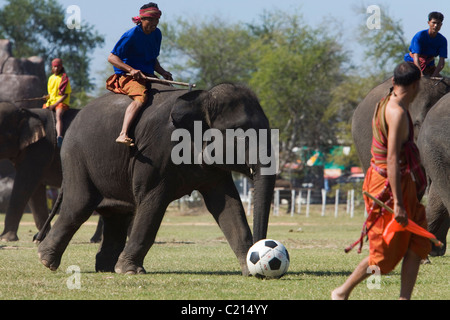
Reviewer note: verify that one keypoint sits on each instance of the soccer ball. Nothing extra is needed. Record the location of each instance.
(268, 259)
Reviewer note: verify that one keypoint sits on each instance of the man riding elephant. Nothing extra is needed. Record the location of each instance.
(59, 91)
(134, 57)
(428, 44)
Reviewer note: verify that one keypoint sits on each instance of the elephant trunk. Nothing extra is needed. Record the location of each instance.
(264, 186)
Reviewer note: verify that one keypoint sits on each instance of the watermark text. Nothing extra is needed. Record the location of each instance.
(374, 20)
(234, 146)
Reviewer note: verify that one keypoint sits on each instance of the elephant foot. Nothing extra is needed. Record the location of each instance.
(9, 236)
(96, 239)
(100, 267)
(245, 271)
(438, 252)
(105, 263)
(127, 267)
(50, 260)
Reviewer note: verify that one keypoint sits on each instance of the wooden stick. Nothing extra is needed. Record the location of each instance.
(436, 242)
(378, 202)
(151, 79)
(32, 99)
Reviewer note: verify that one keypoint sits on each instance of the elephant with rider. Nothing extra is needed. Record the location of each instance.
(180, 138)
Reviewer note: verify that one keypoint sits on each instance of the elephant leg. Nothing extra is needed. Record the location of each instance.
(97, 236)
(224, 203)
(438, 220)
(25, 184)
(115, 228)
(38, 204)
(77, 206)
(146, 223)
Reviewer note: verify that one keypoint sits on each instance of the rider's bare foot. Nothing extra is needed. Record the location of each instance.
(123, 139)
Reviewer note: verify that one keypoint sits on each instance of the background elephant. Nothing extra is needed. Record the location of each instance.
(435, 152)
(28, 140)
(21, 78)
(139, 183)
(431, 90)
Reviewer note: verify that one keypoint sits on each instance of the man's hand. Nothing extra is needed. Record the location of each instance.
(400, 215)
(167, 75)
(137, 74)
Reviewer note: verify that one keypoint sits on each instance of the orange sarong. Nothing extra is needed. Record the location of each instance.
(385, 256)
(123, 84)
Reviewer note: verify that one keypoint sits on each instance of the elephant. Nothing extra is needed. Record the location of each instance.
(21, 78)
(431, 90)
(435, 153)
(28, 140)
(132, 186)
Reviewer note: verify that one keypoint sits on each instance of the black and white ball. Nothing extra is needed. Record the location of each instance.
(268, 258)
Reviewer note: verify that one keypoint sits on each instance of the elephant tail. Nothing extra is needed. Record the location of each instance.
(46, 228)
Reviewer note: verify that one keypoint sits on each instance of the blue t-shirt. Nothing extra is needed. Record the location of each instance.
(423, 44)
(138, 50)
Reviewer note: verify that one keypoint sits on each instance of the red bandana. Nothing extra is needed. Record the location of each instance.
(151, 12)
(64, 77)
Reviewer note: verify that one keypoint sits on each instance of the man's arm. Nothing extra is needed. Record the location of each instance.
(53, 106)
(118, 63)
(439, 67)
(396, 119)
(417, 62)
(167, 75)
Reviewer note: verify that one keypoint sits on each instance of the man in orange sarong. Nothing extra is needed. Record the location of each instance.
(396, 178)
(135, 57)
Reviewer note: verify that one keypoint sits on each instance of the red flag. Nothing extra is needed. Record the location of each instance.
(412, 227)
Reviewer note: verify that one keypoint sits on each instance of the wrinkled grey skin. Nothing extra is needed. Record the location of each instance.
(430, 92)
(21, 78)
(433, 142)
(135, 185)
(28, 140)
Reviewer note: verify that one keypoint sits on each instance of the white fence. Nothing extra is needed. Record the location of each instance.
(301, 200)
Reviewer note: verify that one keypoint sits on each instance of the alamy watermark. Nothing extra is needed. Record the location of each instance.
(374, 20)
(374, 280)
(73, 20)
(74, 280)
(240, 147)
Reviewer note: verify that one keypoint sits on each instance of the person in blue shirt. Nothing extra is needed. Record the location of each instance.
(135, 57)
(427, 45)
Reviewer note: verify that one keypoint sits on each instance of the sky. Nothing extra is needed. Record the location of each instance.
(112, 18)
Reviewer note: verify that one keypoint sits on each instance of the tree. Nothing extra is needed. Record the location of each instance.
(385, 47)
(38, 27)
(297, 69)
(293, 69)
(212, 51)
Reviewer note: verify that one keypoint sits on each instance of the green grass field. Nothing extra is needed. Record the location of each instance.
(191, 260)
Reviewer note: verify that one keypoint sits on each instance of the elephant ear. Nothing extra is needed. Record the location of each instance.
(31, 129)
(189, 108)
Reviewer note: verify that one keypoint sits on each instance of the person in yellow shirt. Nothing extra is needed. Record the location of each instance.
(58, 98)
